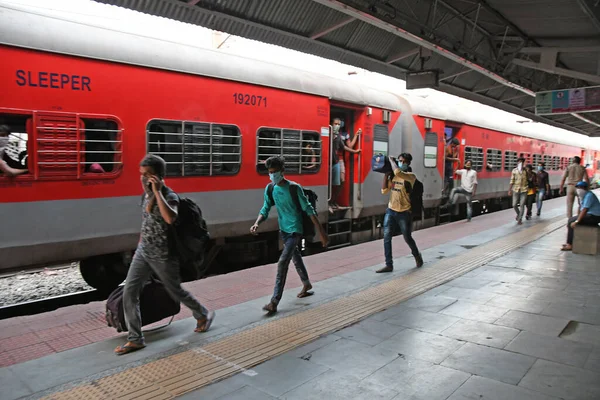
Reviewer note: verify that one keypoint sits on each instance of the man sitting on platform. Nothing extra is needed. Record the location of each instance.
(589, 213)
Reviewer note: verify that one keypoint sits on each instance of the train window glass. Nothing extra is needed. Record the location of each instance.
(475, 154)
(494, 160)
(431, 150)
(510, 160)
(100, 146)
(195, 148)
(527, 157)
(301, 149)
(537, 158)
(555, 163)
(15, 152)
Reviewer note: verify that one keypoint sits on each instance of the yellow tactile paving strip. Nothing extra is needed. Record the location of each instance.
(190, 370)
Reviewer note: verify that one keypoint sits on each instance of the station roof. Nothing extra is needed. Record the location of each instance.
(497, 52)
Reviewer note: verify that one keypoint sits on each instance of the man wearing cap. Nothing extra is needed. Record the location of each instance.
(573, 174)
(589, 212)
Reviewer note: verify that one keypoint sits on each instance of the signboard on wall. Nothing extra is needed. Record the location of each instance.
(565, 101)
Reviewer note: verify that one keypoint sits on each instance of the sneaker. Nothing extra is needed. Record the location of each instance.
(385, 269)
(419, 260)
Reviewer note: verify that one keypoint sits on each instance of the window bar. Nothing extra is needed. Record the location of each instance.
(300, 156)
(77, 136)
(183, 140)
(210, 166)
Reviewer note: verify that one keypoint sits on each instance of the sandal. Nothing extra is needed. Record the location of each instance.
(566, 247)
(305, 292)
(270, 308)
(128, 348)
(204, 324)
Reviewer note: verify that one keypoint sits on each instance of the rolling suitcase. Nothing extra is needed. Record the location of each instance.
(155, 305)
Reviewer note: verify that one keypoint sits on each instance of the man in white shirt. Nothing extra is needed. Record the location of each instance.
(468, 188)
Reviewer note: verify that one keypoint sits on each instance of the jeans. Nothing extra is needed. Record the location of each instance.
(290, 252)
(530, 200)
(518, 201)
(468, 197)
(139, 272)
(397, 220)
(589, 219)
(540, 200)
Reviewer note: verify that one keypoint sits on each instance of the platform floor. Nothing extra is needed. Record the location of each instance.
(490, 319)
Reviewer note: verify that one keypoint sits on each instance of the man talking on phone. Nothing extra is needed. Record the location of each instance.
(159, 210)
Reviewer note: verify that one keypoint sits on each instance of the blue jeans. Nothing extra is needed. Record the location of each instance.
(397, 220)
(139, 272)
(518, 201)
(540, 200)
(290, 252)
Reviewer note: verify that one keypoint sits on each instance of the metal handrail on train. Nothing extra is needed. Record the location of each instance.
(330, 165)
(360, 168)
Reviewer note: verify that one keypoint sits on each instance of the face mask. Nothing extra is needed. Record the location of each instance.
(540, 168)
(276, 177)
(336, 128)
(520, 167)
(581, 193)
(403, 167)
(467, 167)
(3, 143)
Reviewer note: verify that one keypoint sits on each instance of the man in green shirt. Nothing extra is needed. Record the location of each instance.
(290, 225)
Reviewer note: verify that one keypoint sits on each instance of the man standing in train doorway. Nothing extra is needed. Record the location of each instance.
(450, 158)
(341, 144)
(573, 174)
(398, 214)
(290, 225)
(159, 210)
(518, 188)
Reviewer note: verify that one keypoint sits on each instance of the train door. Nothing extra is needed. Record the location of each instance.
(341, 177)
(450, 134)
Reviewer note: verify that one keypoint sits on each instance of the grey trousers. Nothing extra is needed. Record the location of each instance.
(139, 272)
(518, 201)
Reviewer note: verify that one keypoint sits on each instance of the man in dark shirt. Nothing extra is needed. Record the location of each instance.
(543, 186)
(336, 167)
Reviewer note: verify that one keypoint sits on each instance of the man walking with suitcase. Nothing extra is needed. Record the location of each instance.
(159, 210)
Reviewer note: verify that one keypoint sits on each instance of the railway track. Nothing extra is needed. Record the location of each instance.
(50, 303)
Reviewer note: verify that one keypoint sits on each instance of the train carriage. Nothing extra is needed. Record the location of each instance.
(85, 103)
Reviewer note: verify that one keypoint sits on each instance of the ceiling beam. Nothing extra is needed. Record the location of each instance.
(557, 70)
(541, 50)
(590, 8)
(403, 55)
(332, 28)
(446, 77)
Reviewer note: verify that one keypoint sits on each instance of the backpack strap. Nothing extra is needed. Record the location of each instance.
(294, 193)
(270, 193)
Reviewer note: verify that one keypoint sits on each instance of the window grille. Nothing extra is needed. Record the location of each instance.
(494, 159)
(475, 154)
(510, 160)
(196, 148)
(537, 158)
(555, 163)
(300, 149)
(548, 161)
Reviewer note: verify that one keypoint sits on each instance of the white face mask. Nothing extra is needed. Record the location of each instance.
(581, 193)
(520, 167)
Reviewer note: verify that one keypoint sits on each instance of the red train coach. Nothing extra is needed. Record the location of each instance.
(86, 103)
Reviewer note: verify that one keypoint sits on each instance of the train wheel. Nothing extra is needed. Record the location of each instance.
(104, 272)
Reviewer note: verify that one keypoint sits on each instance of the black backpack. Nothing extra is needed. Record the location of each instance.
(307, 224)
(415, 192)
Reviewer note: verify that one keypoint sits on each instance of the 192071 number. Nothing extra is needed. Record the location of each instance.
(250, 100)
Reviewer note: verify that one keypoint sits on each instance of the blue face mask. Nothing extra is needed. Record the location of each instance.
(403, 167)
(276, 177)
(540, 168)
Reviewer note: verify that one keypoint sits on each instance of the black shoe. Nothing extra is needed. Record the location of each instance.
(419, 260)
(385, 269)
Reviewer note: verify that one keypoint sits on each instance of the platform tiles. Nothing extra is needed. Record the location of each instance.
(200, 366)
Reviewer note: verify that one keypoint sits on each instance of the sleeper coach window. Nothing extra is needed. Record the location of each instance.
(494, 159)
(475, 154)
(510, 160)
(555, 163)
(301, 149)
(101, 146)
(430, 159)
(548, 162)
(15, 152)
(196, 148)
(537, 158)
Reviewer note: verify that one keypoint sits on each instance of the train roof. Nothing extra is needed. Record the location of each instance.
(25, 28)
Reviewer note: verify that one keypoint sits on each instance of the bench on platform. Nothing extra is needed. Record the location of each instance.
(586, 240)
